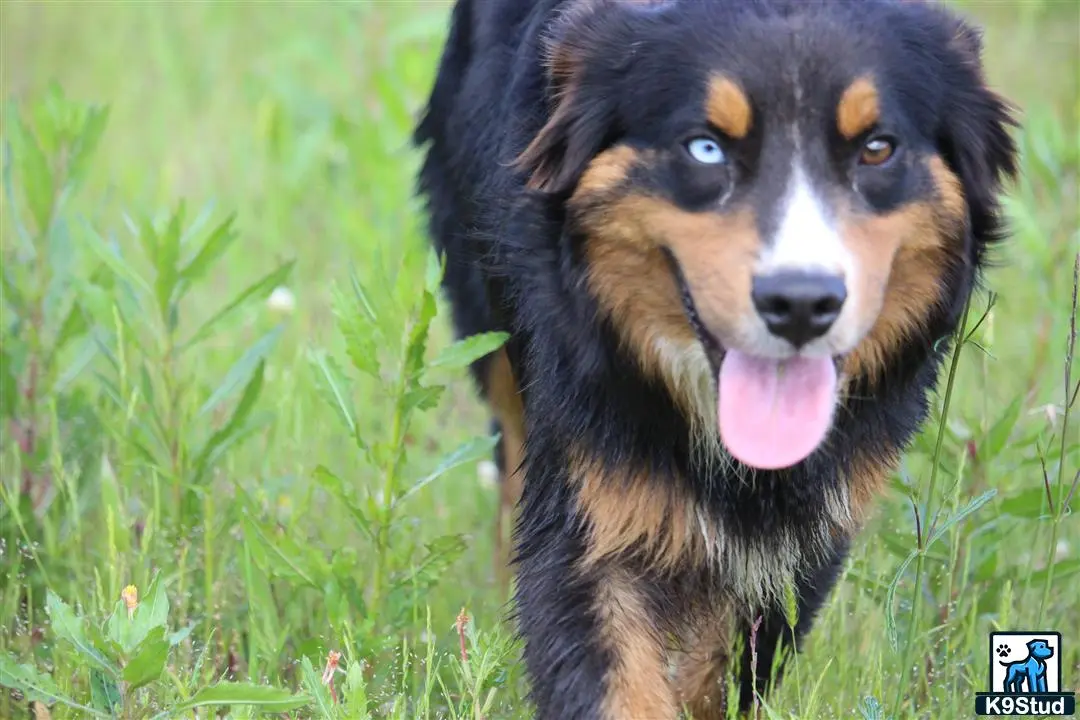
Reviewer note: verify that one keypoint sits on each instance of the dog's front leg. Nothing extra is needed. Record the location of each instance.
(592, 645)
(1033, 679)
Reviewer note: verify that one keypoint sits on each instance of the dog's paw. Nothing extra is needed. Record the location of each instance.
(1003, 650)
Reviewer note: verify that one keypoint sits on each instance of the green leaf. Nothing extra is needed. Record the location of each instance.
(11, 283)
(147, 235)
(343, 495)
(85, 145)
(999, 434)
(113, 261)
(335, 388)
(243, 370)
(360, 334)
(470, 451)
(356, 692)
(395, 105)
(9, 387)
(166, 264)
(153, 610)
(80, 362)
(320, 694)
(262, 611)
(1029, 503)
(897, 544)
(433, 275)
(51, 117)
(269, 699)
(149, 660)
(363, 299)
(286, 557)
(441, 553)
(73, 326)
(13, 215)
(196, 670)
(1062, 569)
(233, 437)
(389, 310)
(890, 600)
(231, 430)
(119, 628)
(70, 627)
(104, 693)
(959, 515)
(36, 686)
(421, 398)
(180, 635)
(37, 178)
(215, 245)
(464, 352)
(259, 290)
(151, 613)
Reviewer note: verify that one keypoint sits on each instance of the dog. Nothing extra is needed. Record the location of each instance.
(729, 241)
(1031, 669)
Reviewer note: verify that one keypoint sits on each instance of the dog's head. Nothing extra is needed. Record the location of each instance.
(772, 198)
(1040, 649)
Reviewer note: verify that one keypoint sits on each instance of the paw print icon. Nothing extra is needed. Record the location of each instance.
(1002, 650)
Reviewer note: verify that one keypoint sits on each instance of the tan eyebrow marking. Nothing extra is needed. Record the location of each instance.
(858, 109)
(728, 108)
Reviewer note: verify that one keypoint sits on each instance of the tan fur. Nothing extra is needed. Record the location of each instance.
(505, 401)
(564, 62)
(868, 479)
(637, 514)
(628, 512)
(606, 171)
(564, 59)
(901, 258)
(545, 171)
(704, 662)
(858, 108)
(636, 684)
(728, 108)
(634, 284)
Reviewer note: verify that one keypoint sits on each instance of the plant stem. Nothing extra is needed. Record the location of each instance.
(36, 335)
(916, 599)
(389, 481)
(1060, 510)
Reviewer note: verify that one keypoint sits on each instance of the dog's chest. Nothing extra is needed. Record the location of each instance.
(760, 566)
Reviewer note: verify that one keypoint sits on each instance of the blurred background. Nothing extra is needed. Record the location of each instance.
(249, 409)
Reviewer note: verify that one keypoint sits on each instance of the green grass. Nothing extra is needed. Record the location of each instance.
(260, 474)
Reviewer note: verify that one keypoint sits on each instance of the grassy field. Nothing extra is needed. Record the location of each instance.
(279, 476)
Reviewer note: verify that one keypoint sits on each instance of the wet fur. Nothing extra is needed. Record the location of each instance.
(628, 533)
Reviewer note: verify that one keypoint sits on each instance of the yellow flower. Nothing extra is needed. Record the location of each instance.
(130, 596)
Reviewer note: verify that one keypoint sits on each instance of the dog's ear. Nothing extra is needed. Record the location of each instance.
(974, 134)
(589, 47)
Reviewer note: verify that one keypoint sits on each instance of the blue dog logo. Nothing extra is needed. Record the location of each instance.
(1031, 670)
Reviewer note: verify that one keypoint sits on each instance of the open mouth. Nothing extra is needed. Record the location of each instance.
(772, 413)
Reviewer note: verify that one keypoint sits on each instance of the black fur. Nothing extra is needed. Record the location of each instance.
(514, 264)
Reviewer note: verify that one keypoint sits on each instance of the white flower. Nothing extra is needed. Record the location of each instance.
(281, 301)
(487, 472)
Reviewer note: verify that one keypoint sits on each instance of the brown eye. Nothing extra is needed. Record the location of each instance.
(876, 151)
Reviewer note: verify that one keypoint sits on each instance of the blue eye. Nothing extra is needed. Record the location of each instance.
(705, 150)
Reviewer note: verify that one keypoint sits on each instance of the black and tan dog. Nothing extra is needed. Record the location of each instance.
(726, 237)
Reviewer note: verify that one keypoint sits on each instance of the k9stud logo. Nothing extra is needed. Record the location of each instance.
(1025, 676)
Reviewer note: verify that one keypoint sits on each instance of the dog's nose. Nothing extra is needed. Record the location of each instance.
(798, 306)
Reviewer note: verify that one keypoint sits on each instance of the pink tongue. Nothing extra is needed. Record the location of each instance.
(775, 413)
